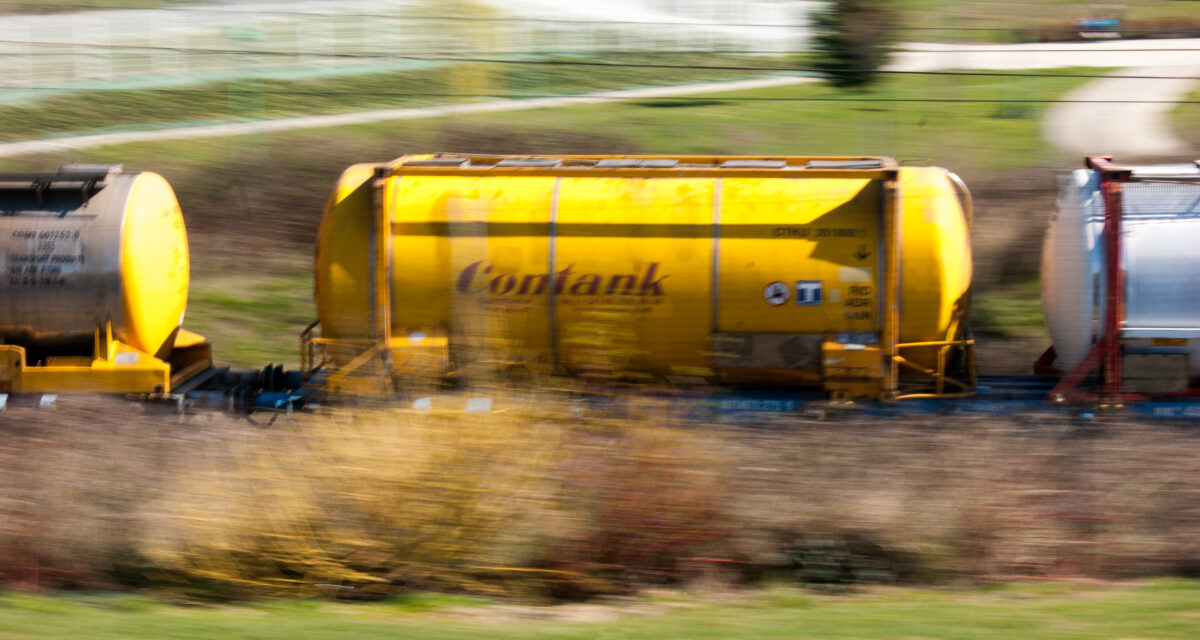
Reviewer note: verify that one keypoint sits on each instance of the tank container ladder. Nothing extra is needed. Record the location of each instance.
(959, 331)
(944, 385)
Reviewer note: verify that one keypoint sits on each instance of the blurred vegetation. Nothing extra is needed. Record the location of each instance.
(545, 498)
(63, 6)
(1185, 119)
(1010, 311)
(365, 506)
(1163, 610)
(852, 40)
(510, 505)
(254, 319)
(1034, 20)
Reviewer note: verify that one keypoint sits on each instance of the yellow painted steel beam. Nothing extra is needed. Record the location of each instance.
(128, 371)
(894, 246)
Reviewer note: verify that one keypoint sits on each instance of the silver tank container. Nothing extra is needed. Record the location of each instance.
(69, 264)
(1160, 257)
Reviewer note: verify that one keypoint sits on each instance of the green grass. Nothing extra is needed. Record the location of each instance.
(60, 6)
(1160, 611)
(1002, 20)
(253, 320)
(430, 84)
(967, 121)
(953, 121)
(1013, 311)
(1185, 119)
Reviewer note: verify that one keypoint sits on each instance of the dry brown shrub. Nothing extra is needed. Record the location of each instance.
(356, 502)
(518, 502)
(946, 498)
(645, 499)
(74, 480)
(552, 497)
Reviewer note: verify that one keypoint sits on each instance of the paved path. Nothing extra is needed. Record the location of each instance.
(1057, 55)
(1086, 123)
(1126, 116)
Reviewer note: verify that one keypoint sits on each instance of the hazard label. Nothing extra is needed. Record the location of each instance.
(776, 293)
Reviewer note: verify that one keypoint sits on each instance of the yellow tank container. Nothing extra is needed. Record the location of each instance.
(846, 273)
(93, 283)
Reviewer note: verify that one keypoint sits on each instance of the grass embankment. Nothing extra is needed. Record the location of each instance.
(1185, 119)
(1004, 21)
(545, 498)
(64, 6)
(253, 319)
(427, 84)
(1162, 611)
(974, 121)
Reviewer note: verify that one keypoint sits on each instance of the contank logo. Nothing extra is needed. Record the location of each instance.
(482, 278)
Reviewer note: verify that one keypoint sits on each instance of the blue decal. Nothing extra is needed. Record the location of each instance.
(808, 292)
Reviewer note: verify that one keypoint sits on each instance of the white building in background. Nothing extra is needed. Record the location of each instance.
(153, 47)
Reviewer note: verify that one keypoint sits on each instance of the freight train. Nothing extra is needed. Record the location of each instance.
(845, 277)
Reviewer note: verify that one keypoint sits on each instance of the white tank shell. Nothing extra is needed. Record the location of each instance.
(1161, 260)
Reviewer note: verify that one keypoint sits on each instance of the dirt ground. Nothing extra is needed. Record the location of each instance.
(1012, 210)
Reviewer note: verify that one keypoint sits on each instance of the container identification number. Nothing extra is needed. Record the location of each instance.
(47, 257)
(819, 232)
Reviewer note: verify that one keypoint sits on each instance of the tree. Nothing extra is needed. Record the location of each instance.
(852, 41)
